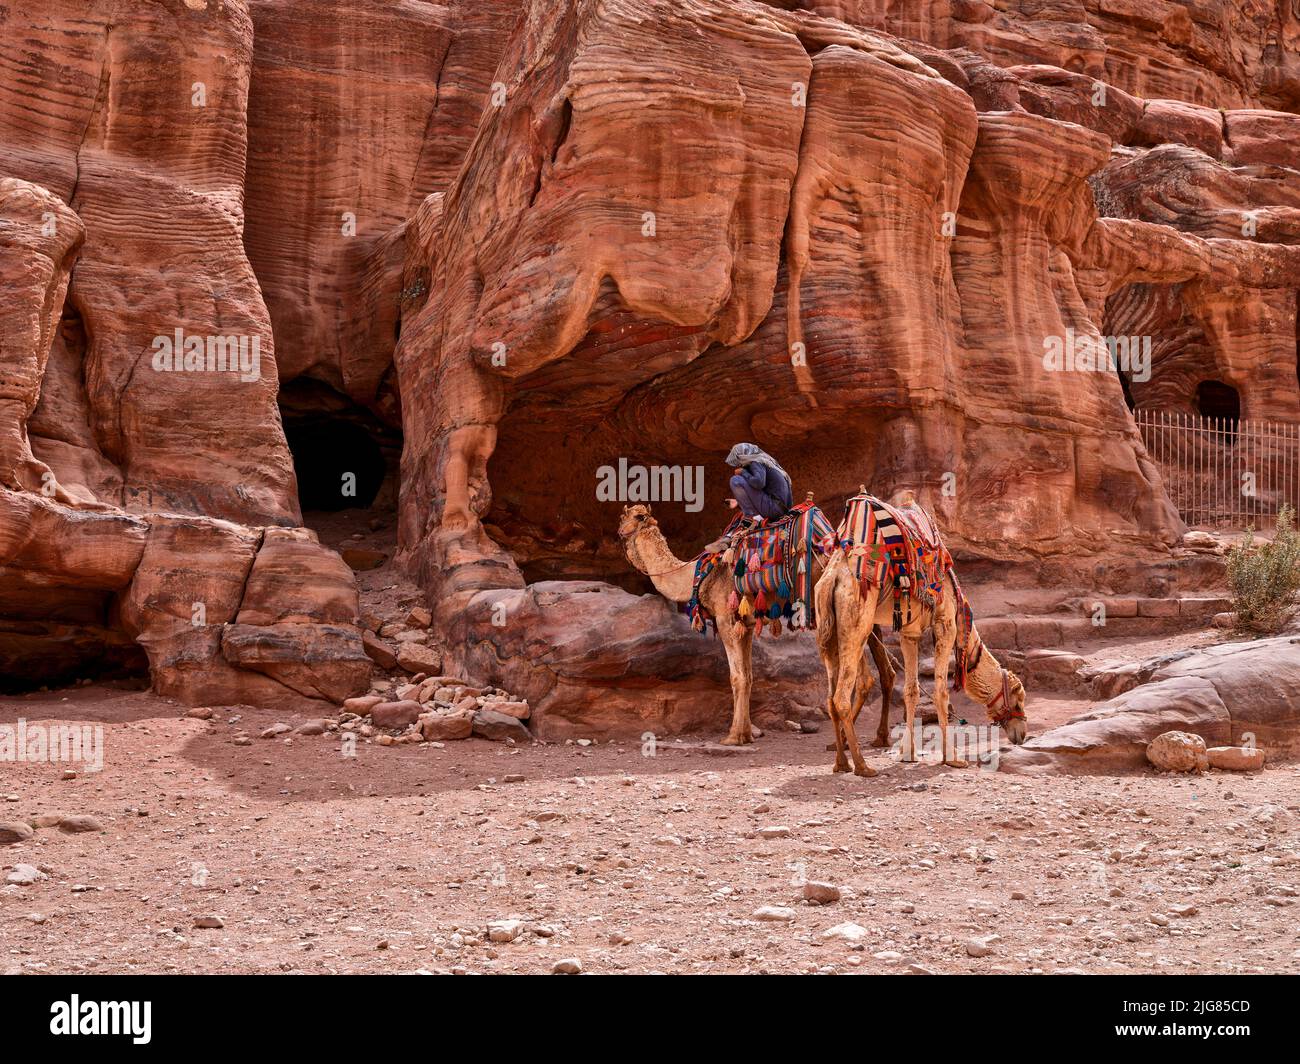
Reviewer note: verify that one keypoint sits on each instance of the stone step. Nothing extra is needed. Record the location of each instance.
(1091, 620)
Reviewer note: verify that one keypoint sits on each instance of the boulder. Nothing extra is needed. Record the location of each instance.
(444, 727)
(499, 727)
(1178, 751)
(378, 651)
(396, 714)
(415, 657)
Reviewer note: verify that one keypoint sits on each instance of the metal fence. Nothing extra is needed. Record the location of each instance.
(1224, 473)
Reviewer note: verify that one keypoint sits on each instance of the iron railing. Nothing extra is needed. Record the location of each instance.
(1221, 472)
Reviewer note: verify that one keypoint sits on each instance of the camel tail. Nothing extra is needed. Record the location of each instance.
(824, 604)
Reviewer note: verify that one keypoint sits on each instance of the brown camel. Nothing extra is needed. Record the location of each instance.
(847, 616)
(650, 554)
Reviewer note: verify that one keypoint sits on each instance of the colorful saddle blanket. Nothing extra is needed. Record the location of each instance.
(773, 568)
(900, 547)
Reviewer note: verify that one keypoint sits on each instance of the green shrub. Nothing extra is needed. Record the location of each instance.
(1264, 577)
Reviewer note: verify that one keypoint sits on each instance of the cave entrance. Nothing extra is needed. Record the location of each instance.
(345, 459)
(1214, 399)
(338, 466)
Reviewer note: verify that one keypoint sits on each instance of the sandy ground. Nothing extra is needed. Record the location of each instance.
(397, 859)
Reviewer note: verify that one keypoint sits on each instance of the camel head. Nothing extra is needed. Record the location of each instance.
(1016, 727)
(635, 519)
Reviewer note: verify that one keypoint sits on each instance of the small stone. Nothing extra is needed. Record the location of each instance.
(504, 930)
(362, 705)
(920, 969)
(1183, 911)
(200, 713)
(361, 560)
(414, 657)
(419, 617)
(445, 727)
(567, 966)
(312, 727)
(275, 730)
(774, 914)
(378, 651)
(399, 714)
(75, 824)
(1236, 758)
(980, 947)
(24, 875)
(775, 831)
(846, 932)
(14, 831)
(210, 921)
(816, 893)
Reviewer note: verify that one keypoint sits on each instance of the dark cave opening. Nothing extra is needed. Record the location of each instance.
(344, 457)
(339, 466)
(1218, 400)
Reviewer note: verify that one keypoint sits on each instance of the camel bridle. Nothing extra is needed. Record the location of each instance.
(1009, 711)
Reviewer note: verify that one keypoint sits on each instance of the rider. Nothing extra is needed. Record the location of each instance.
(760, 488)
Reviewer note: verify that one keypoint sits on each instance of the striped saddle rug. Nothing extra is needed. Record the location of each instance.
(895, 546)
(900, 547)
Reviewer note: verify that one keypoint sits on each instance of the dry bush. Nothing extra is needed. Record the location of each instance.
(1264, 577)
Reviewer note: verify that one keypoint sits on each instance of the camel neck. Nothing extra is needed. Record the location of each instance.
(652, 556)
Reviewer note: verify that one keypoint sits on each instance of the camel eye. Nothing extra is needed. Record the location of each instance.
(640, 517)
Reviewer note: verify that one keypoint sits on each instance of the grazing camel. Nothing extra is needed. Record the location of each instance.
(848, 614)
(649, 553)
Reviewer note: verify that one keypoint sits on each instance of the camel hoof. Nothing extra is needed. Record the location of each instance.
(732, 740)
(841, 768)
(879, 743)
(866, 772)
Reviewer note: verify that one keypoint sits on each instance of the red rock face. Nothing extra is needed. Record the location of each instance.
(546, 237)
(356, 112)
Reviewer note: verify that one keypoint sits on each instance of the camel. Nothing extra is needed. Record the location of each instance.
(649, 553)
(847, 617)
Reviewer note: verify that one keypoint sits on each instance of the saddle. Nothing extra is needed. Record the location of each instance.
(900, 547)
(771, 569)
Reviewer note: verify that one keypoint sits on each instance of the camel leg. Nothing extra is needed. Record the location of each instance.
(945, 634)
(737, 641)
(747, 671)
(852, 642)
(885, 667)
(832, 671)
(911, 693)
